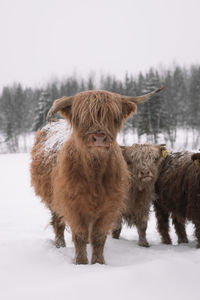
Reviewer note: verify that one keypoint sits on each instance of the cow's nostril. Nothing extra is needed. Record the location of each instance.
(104, 139)
(94, 138)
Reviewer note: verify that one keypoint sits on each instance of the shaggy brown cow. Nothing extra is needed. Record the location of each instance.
(143, 163)
(178, 190)
(84, 182)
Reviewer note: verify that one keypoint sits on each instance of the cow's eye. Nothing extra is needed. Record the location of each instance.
(99, 114)
(116, 121)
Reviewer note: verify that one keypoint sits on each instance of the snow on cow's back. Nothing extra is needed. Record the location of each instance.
(48, 143)
(56, 133)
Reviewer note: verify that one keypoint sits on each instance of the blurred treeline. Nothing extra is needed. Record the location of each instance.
(23, 110)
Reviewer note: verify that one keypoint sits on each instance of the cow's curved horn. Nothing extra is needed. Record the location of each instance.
(140, 99)
(58, 105)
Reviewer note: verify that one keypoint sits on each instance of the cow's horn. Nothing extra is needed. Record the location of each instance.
(140, 99)
(58, 105)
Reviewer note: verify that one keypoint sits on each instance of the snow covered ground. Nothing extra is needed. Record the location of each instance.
(32, 268)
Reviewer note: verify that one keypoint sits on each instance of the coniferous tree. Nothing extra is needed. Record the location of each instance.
(10, 128)
(194, 98)
(41, 111)
(90, 83)
(22, 110)
(179, 89)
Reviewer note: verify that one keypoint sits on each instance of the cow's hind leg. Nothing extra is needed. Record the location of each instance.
(197, 233)
(180, 231)
(162, 223)
(117, 228)
(59, 228)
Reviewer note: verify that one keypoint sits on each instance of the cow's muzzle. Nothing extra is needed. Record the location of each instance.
(145, 175)
(100, 139)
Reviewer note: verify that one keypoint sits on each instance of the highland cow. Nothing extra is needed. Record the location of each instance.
(143, 163)
(83, 183)
(178, 194)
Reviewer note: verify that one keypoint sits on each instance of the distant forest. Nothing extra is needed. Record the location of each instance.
(23, 110)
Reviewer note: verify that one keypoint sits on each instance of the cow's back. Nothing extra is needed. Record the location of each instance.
(172, 184)
(44, 154)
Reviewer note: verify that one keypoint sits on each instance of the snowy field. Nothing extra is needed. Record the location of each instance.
(32, 268)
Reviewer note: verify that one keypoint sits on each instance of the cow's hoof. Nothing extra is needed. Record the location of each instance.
(97, 260)
(60, 243)
(80, 261)
(143, 244)
(183, 241)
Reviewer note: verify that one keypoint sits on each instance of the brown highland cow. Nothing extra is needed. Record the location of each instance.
(83, 183)
(178, 194)
(143, 163)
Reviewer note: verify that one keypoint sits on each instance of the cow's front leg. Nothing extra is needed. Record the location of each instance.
(79, 229)
(180, 230)
(162, 223)
(80, 240)
(98, 237)
(141, 228)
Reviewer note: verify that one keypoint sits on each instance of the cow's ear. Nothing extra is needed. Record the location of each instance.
(163, 150)
(125, 154)
(196, 158)
(128, 108)
(63, 107)
(66, 112)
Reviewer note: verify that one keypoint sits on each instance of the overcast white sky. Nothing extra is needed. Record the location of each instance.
(42, 39)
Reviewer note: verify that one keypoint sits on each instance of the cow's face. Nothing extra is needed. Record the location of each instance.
(97, 116)
(144, 161)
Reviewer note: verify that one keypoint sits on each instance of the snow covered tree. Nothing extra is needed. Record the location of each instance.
(91, 83)
(194, 98)
(149, 115)
(12, 108)
(41, 110)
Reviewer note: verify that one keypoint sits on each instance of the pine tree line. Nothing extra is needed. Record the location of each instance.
(23, 110)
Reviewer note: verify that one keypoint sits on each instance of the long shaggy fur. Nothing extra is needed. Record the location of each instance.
(143, 162)
(178, 194)
(84, 186)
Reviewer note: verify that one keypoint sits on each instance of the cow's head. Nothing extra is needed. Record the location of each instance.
(143, 161)
(97, 116)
